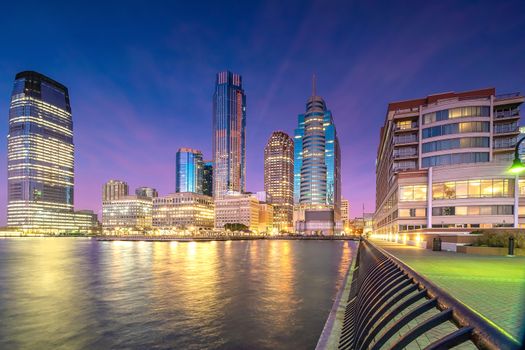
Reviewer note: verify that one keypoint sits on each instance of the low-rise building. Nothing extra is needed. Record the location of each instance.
(237, 209)
(183, 211)
(127, 212)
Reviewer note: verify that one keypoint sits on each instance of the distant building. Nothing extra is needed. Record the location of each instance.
(183, 211)
(443, 160)
(237, 209)
(317, 171)
(40, 158)
(207, 178)
(114, 189)
(127, 212)
(345, 212)
(229, 135)
(266, 217)
(263, 196)
(189, 171)
(279, 178)
(147, 192)
(368, 223)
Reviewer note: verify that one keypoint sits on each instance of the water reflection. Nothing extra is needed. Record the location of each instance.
(83, 294)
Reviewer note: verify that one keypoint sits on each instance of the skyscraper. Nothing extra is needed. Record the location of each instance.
(279, 178)
(114, 189)
(207, 178)
(229, 135)
(317, 176)
(189, 166)
(40, 156)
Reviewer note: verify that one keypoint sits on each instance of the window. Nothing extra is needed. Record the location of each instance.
(461, 189)
(456, 158)
(437, 191)
(486, 188)
(474, 188)
(413, 193)
(461, 210)
(449, 190)
(456, 128)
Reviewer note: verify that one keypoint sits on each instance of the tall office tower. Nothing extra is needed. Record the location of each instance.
(114, 189)
(442, 162)
(189, 166)
(229, 135)
(147, 192)
(279, 178)
(318, 174)
(40, 155)
(207, 178)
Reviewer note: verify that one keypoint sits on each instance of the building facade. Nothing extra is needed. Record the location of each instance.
(189, 170)
(345, 213)
(40, 157)
(128, 213)
(229, 135)
(237, 209)
(183, 211)
(317, 171)
(147, 192)
(442, 162)
(207, 178)
(114, 189)
(279, 178)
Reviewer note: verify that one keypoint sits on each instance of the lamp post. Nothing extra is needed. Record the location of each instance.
(516, 168)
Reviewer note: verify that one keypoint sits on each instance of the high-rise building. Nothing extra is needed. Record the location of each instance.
(183, 211)
(127, 213)
(189, 166)
(317, 170)
(442, 162)
(229, 135)
(40, 156)
(114, 189)
(147, 192)
(279, 178)
(207, 178)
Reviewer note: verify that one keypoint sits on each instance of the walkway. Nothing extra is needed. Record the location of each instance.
(493, 286)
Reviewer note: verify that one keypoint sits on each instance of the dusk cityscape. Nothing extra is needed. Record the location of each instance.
(262, 175)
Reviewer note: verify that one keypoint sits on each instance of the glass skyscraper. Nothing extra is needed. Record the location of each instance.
(40, 156)
(189, 170)
(229, 135)
(317, 163)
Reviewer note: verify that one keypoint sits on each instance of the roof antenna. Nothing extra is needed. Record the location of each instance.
(313, 85)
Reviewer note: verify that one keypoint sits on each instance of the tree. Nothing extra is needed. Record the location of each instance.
(236, 227)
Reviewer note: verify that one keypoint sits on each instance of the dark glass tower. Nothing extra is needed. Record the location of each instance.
(189, 170)
(40, 155)
(229, 135)
(207, 178)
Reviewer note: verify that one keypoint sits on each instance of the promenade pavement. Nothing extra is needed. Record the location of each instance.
(493, 286)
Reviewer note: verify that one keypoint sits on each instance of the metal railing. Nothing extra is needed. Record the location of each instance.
(387, 296)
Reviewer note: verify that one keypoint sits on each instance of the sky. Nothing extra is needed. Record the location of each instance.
(141, 75)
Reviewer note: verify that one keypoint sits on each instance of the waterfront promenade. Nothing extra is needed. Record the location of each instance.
(493, 286)
(149, 238)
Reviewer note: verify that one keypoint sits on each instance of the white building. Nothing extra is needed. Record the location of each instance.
(127, 212)
(443, 162)
(238, 209)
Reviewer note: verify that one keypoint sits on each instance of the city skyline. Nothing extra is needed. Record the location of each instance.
(121, 88)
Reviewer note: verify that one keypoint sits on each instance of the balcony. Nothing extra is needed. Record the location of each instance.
(403, 140)
(507, 114)
(506, 129)
(404, 168)
(404, 128)
(400, 155)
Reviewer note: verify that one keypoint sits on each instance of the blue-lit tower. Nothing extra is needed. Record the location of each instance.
(189, 170)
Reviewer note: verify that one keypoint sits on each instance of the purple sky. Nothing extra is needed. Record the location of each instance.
(141, 76)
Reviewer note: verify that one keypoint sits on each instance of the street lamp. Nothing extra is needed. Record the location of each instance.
(517, 166)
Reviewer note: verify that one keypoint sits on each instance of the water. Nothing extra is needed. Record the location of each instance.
(67, 293)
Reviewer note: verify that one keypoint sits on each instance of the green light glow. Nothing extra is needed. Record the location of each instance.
(517, 166)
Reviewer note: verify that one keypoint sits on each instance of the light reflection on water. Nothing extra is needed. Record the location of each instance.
(63, 293)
